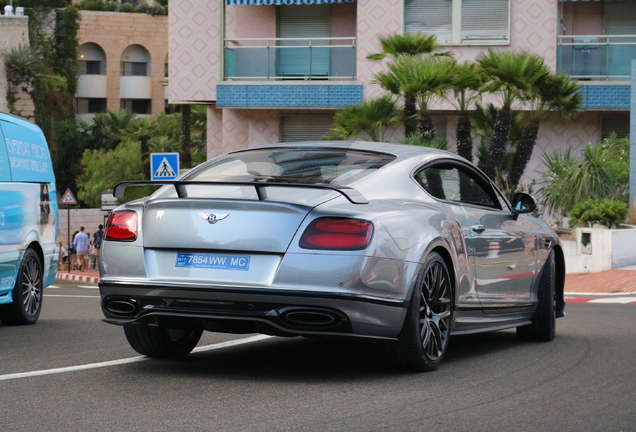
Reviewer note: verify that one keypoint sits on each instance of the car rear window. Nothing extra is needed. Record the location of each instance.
(305, 165)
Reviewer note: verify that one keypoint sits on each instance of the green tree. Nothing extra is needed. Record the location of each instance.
(426, 78)
(371, 119)
(141, 129)
(466, 85)
(398, 46)
(102, 169)
(553, 92)
(509, 74)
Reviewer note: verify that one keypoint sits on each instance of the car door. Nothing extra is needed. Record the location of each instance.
(501, 247)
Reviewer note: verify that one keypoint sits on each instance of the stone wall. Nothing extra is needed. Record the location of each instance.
(88, 218)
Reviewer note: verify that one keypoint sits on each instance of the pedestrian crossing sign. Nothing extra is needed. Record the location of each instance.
(164, 166)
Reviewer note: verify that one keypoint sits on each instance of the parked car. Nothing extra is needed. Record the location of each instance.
(28, 220)
(330, 239)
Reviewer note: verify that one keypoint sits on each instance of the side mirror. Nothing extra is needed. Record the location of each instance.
(523, 203)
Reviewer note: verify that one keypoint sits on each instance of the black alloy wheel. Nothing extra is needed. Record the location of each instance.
(27, 293)
(426, 332)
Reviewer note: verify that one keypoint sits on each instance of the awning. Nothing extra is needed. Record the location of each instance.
(283, 2)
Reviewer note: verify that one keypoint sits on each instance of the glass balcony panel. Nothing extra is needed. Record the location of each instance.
(596, 58)
(290, 59)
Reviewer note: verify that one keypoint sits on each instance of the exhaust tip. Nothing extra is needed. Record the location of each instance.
(122, 307)
(310, 318)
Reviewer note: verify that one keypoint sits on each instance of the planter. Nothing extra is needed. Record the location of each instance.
(598, 249)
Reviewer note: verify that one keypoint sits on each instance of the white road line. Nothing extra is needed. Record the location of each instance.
(126, 361)
(53, 286)
(88, 286)
(71, 296)
(624, 300)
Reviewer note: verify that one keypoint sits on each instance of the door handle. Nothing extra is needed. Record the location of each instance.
(478, 228)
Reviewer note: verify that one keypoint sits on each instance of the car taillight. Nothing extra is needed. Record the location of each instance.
(121, 226)
(337, 234)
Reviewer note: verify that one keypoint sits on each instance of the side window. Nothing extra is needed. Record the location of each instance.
(451, 183)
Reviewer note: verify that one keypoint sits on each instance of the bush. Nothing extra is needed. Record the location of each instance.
(608, 213)
(601, 174)
(98, 5)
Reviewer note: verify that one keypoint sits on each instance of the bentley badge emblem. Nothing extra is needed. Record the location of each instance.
(213, 218)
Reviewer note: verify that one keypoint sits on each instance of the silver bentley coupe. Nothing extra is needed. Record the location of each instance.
(403, 244)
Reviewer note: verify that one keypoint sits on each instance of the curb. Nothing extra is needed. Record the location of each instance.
(79, 278)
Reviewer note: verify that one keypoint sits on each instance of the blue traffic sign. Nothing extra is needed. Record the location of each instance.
(164, 166)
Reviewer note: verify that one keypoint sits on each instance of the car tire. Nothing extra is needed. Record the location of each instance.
(424, 338)
(161, 342)
(543, 327)
(27, 293)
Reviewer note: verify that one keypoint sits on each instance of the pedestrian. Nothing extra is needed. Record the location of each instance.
(63, 255)
(97, 244)
(81, 243)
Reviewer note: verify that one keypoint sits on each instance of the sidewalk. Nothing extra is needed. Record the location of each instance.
(88, 276)
(615, 281)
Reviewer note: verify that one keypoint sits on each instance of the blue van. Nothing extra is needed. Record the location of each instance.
(28, 220)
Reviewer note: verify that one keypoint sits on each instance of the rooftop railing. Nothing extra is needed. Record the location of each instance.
(596, 57)
(331, 58)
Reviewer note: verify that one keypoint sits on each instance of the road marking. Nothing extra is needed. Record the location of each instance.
(88, 286)
(613, 300)
(127, 360)
(71, 296)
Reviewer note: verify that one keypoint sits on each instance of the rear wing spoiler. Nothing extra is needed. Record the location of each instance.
(349, 193)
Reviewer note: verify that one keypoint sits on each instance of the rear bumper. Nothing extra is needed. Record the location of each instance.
(252, 310)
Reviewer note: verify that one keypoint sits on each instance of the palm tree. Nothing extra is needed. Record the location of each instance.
(466, 87)
(510, 74)
(408, 45)
(142, 130)
(553, 92)
(370, 118)
(425, 78)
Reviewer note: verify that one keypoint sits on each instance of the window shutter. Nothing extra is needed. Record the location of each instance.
(429, 16)
(618, 125)
(306, 127)
(485, 19)
(620, 20)
(303, 21)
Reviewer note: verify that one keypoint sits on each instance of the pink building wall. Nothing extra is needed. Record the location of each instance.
(195, 62)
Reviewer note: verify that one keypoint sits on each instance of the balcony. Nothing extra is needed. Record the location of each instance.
(135, 87)
(276, 59)
(92, 86)
(596, 57)
(289, 73)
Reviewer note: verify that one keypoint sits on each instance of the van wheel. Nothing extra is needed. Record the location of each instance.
(27, 293)
(161, 342)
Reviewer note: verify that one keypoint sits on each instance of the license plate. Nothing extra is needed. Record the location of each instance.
(213, 261)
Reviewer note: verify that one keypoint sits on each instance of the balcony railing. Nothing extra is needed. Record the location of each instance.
(596, 57)
(290, 59)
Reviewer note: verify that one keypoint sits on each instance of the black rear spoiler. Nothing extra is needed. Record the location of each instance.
(351, 194)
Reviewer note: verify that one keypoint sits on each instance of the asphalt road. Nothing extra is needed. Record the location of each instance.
(585, 380)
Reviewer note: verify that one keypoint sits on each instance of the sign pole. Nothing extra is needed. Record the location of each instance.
(69, 199)
(68, 235)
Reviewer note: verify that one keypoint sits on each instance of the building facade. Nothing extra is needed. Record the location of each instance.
(123, 63)
(14, 32)
(277, 70)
